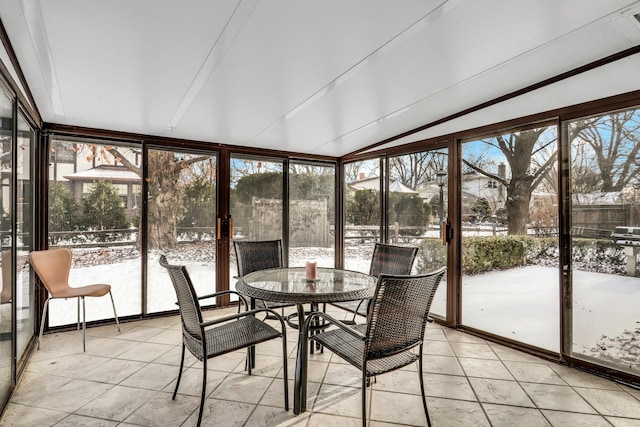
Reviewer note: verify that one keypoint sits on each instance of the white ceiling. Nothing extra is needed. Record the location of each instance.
(321, 77)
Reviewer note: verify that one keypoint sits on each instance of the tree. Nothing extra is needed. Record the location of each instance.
(416, 169)
(410, 211)
(481, 208)
(529, 154)
(608, 146)
(363, 207)
(103, 209)
(199, 201)
(63, 210)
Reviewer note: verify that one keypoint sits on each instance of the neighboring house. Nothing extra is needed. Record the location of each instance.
(126, 182)
(373, 183)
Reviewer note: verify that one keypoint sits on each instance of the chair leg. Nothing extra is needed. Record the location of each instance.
(424, 399)
(78, 322)
(364, 396)
(114, 311)
(44, 316)
(204, 388)
(84, 327)
(179, 374)
(285, 373)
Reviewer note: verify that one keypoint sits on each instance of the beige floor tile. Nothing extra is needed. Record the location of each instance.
(153, 376)
(139, 333)
(324, 420)
(397, 408)
(456, 413)
(483, 368)
(82, 421)
(117, 403)
(268, 416)
(576, 378)
(572, 419)
(511, 355)
(168, 336)
(447, 365)
(343, 374)
(438, 348)
(111, 347)
(398, 381)
(458, 336)
(145, 352)
(558, 397)
(623, 422)
(114, 371)
(509, 416)
(473, 350)
(501, 392)
(266, 365)
(338, 400)
(16, 415)
(614, 403)
(448, 386)
(234, 414)
(162, 410)
(191, 381)
(242, 388)
(534, 373)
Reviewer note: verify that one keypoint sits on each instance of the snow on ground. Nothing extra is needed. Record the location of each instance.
(520, 303)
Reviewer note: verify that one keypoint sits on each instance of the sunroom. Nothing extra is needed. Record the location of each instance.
(500, 139)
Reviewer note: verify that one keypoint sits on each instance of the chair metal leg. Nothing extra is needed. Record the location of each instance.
(424, 399)
(84, 327)
(204, 388)
(179, 373)
(44, 316)
(285, 370)
(364, 396)
(114, 311)
(78, 322)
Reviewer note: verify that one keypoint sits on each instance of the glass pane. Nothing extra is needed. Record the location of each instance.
(311, 215)
(605, 237)
(181, 223)
(510, 237)
(99, 226)
(255, 202)
(417, 207)
(362, 213)
(25, 308)
(6, 219)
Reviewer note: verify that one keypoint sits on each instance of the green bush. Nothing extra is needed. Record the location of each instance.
(432, 254)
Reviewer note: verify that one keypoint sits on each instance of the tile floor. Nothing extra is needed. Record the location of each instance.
(126, 379)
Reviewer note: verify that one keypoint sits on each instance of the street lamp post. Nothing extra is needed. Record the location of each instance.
(441, 179)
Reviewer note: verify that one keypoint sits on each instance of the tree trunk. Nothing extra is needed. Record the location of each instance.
(164, 199)
(517, 204)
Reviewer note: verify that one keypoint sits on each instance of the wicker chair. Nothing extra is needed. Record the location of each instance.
(220, 336)
(387, 259)
(394, 330)
(259, 255)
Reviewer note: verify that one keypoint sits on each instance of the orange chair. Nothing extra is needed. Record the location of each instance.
(52, 267)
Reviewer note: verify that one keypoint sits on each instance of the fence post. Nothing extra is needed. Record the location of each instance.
(396, 232)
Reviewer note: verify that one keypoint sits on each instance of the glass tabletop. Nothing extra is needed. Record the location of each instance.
(290, 285)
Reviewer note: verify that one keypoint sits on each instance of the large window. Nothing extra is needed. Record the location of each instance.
(362, 194)
(98, 226)
(311, 214)
(416, 208)
(255, 202)
(605, 238)
(510, 284)
(181, 223)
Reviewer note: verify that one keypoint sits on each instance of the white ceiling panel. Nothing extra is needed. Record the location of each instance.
(325, 78)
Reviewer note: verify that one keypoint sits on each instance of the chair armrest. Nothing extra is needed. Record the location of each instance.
(332, 320)
(229, 292)
(241, 315)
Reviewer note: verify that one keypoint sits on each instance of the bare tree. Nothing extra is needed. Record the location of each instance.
(607, 146)
(416, 169)
(529, 157)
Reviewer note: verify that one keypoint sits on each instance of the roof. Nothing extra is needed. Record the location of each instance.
(105, 172)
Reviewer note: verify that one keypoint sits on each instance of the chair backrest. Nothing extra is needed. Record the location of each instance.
(258, 255)
(398, 314)
(190, 313)
(391, 259)
(52, 267)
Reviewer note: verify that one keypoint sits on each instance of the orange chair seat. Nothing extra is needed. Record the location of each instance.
(83, 291)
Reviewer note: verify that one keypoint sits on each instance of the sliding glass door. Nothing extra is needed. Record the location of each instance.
(510, 269)
(605, 239)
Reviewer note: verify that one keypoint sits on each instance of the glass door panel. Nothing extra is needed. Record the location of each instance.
(255, 203)
(362, 213)
(6, 221)
(605, 238)
(94, 190)
(416, 210)
(311, 214)
(510, 284)
(181, 223)
(24, 301)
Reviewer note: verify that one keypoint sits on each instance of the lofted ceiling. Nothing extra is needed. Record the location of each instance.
(319, 77)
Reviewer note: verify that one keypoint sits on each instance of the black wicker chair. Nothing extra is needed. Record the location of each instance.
(216, 337)
(259, 255)
(393, 335)
(386, 259)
